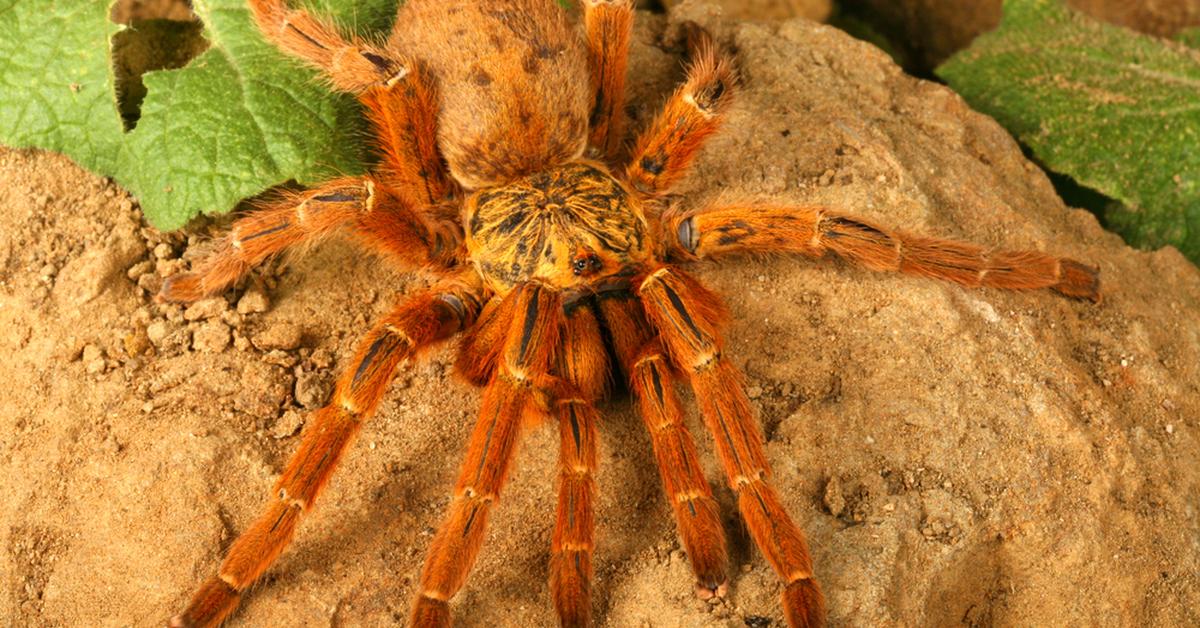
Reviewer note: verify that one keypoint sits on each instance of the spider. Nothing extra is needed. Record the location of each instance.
(504, 172)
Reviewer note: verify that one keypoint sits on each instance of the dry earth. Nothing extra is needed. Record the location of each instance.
(956, 457)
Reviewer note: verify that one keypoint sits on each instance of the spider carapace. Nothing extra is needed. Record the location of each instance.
(503, 171)
(573, 227)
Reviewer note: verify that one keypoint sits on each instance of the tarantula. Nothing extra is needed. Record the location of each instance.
(500, 131)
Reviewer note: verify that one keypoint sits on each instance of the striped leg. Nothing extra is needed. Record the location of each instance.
(582, 365)
(652, 383)
(609, 25)
(665, 150)
(572, 544)
(688, 317)
(352, 66)
(510, 395)
(367, 207)
(813, 231)
(414, 325)
(404, 114)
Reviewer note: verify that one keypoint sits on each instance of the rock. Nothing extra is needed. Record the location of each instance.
(282, 336)
(136, 342)
(929, 31)
(253, 301)
(312, 389)
(816, 10)
(288, 424)
(833, 499)
(211, 337)
(212, 307)
(168, 337)
(157, 331)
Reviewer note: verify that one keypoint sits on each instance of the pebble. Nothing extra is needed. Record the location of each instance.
(283, 336)
(211, 337)
(833, 498)
(253, 301)
(162, 251)
(754, 392)
(157, 332)
(93, 359)
(211, 307)
(136, 342)
(311, 390)
(288, 424)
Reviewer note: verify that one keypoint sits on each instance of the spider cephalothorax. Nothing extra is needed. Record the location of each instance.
(559, 271)
(568, 227)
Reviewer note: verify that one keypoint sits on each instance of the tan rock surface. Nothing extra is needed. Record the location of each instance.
(992, 458)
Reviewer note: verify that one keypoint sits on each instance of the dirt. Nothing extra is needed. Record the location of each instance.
(955, 456)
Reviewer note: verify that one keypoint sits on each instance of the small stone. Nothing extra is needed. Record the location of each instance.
(1170, 428)
(288, 424)
(163, 250)
(150, 282)
(136, 342)
(834, 501)
(253, 302)
(283, 336)
(754, 392)
(211, 337)
(92, 352)
(139, 269)
(279, 357)
(157, 331)
(211, 307)
(311, 390)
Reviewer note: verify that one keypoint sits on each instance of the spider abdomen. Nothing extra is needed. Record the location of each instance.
(568, 227)
(513, 83)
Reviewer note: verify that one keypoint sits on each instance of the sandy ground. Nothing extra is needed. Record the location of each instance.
(956, 457)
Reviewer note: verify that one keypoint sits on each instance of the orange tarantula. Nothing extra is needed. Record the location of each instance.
(500, 130)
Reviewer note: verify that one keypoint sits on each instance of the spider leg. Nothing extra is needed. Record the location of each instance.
(372, 211)
(511, 394)
(766, 228)
(404, 115)
(688, 318)
(608, 25)
(414, 325)
(664, 151)
(574, 530)
(652, 382)
(582, 365)
(352, 66)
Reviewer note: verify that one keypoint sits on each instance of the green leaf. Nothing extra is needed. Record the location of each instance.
(1190, 37)
(1117, 111)
(237, 120)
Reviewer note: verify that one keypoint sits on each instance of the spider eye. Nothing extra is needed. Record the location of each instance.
(585, 264)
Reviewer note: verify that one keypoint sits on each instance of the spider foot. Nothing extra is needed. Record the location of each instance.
(707, 591)
(180, 288)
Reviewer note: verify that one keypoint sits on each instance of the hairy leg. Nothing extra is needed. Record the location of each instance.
(581, 366)
(665, 150)
(352, 66)
(414, 325)
(609, 25)
(404, 115)
(813, 231)
(370, 210)
(653, 385)
(533, 313)
(689, 317)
